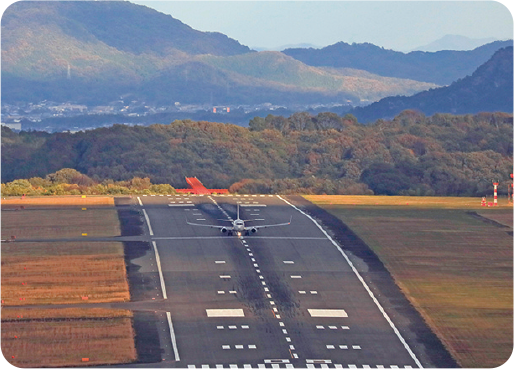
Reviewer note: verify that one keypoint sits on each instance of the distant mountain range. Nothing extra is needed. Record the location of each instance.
(488, 89)
(454, 42)
(95, 52)
(441, 68)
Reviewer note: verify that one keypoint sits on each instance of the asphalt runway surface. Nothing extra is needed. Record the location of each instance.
(285, 297)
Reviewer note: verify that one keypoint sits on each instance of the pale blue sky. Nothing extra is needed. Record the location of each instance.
(397, 25)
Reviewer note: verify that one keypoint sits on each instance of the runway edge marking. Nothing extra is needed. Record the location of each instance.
(158, 260)
(173, 338)
(163, 286)
(377, 303)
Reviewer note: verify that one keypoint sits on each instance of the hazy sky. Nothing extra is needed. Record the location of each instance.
(397, 25)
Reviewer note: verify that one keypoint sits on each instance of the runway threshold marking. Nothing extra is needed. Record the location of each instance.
(377, 303)
(225, 312)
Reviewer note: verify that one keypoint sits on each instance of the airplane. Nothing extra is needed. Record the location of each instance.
(238, 226)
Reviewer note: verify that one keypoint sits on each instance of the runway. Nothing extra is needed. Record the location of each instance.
(285, 297)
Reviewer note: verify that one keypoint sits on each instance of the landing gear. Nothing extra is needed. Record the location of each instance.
(229, 233)
(247, 233)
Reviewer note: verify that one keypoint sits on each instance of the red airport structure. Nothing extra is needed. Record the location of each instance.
(196, 187)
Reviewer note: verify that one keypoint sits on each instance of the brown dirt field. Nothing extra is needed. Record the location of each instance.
(66, 343)
(59, 223)
(58, 201)
(454, 268)
(57, 273)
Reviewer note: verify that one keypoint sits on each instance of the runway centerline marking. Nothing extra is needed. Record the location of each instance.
(377, 303)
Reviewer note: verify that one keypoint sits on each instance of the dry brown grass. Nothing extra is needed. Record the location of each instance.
(40, 273)
(407, 201)
(58, 201)
(54, 343)
(454, 268)
(17, 314)
(56, 273)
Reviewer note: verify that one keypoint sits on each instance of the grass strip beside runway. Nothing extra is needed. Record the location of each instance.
(40, 223)
(59, 273)
(455, 268)
(67, 337)
(38, 275)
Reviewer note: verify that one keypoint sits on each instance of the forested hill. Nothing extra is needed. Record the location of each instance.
(118, 25)
(411, 154)
(441, 68)
(488, 89)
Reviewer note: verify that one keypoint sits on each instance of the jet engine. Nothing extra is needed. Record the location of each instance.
(253, 230)
(223, 230)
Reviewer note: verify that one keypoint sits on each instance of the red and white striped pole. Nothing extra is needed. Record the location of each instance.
(495, 184)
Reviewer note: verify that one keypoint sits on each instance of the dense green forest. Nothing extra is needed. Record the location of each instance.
(412, 154)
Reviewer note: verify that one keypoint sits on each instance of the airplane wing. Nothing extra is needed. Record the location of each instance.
(264, 226)
(211, 226)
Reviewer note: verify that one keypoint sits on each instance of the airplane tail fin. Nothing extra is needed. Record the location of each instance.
(238, 211)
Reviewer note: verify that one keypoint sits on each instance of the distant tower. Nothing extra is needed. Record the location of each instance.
(68, 75)
(495, 184)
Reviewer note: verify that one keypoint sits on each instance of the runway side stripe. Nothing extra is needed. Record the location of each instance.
(158, 260)
(139, 200)
(377, 303)
(148, 222)
(173, 339)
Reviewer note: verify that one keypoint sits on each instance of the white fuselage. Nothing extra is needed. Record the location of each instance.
(238, 225)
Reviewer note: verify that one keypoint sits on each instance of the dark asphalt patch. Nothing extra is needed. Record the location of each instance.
(131, 221)
(487, 220)
(147, 338)
(140, 285)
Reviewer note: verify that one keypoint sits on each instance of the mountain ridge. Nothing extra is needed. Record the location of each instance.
(441, 68)
(454, 42)
(488, 89)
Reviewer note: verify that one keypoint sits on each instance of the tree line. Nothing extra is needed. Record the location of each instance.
(71, 182)
(411, 154)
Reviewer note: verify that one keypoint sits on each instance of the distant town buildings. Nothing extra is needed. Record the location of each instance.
(24, 114)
